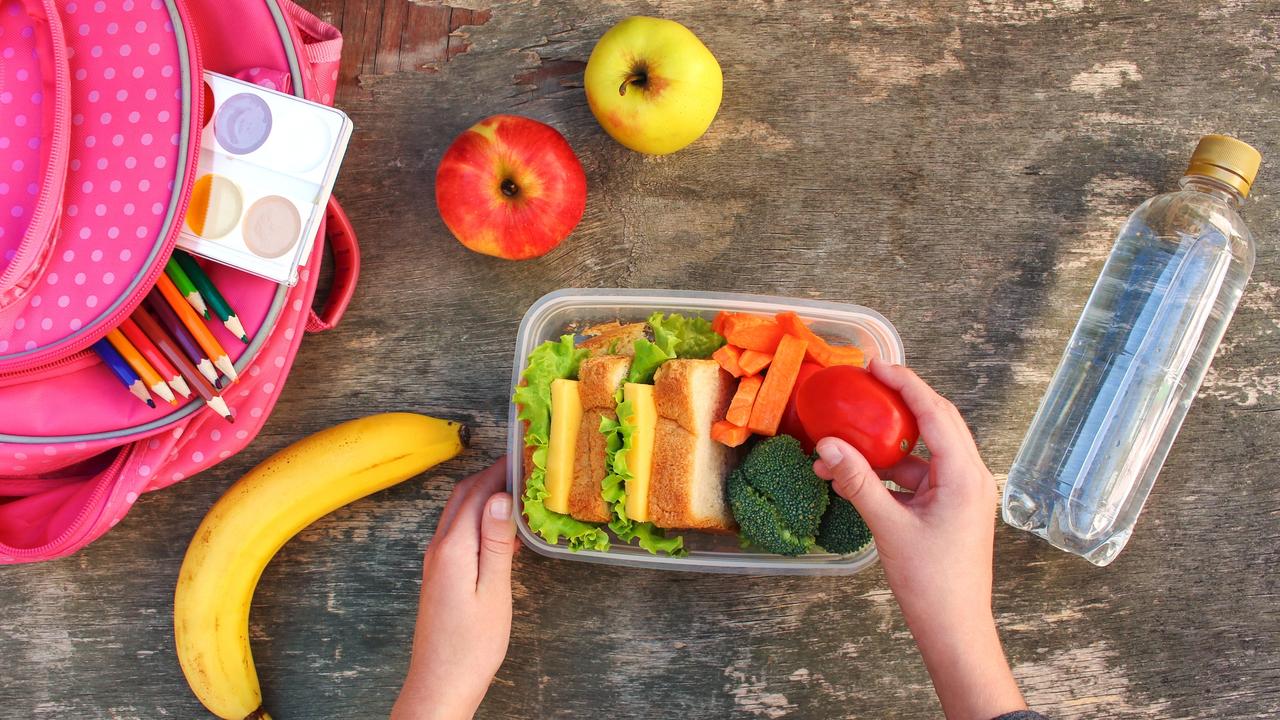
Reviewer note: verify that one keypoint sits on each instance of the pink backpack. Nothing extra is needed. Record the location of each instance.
(101, 105)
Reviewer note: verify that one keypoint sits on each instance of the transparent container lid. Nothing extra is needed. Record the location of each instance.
(564, 311)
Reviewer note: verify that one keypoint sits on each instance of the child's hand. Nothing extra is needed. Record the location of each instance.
(464, 613)
(935, 544)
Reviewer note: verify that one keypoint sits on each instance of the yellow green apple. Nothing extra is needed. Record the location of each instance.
(653, 85)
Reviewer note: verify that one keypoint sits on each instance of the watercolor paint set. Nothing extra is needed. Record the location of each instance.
(267, 164)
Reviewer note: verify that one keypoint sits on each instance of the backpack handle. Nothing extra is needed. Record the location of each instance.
(346, 268)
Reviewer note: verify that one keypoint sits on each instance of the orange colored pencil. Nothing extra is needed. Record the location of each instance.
(172, 324)
(178, 358)
(153, 355)
(198, 329)
(148, 374)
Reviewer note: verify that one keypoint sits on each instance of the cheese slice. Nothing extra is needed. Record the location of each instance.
(640, 459)
(566, 417)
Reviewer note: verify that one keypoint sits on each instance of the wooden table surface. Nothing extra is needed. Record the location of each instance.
(960, 166)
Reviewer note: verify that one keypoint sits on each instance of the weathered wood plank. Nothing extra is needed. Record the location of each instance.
(426, 38)
(959, 166)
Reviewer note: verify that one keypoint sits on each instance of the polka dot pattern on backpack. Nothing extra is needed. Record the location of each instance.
(23, 124)
(126, 167)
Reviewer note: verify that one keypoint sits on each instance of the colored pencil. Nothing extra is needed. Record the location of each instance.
(121, 368)
(155, 357)
(140, 365)
(217, 303)
(169, 320)
(176, 355)
(212, 348)
(185, 285)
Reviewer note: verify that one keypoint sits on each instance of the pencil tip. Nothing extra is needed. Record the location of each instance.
(220, 406)
(151, 403)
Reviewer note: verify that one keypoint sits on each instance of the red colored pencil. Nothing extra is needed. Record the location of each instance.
(178, 358)
(161, 311)
(155, 357)
(145, 371)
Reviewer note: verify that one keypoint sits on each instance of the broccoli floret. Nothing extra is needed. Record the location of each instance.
(842, 530)
(776, 498)
(759, 522)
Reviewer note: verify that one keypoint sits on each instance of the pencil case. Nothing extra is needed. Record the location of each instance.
(101, 114)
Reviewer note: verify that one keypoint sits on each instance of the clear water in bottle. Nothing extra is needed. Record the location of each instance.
(1136, 359)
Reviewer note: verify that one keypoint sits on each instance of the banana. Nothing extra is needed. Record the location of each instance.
(258, 514)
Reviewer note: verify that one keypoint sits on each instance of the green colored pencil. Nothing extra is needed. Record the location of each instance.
(185, 286)
(217, 303)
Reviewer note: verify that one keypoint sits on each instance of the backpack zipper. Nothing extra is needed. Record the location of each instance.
(48, 207)
(105, 481)
(21, 376)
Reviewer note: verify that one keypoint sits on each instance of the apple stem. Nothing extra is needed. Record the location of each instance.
(636, 78)
(509, 187)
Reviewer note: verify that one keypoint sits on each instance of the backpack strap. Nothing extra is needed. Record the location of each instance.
(341, 239)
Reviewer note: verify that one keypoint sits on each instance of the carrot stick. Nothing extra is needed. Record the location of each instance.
(843, 355)
(752, 332)
(740, 408)
(792, 325)
(717, 324)
(726, 433)
(728, 356)
(752, 362)
(771, 401)
(820, 351)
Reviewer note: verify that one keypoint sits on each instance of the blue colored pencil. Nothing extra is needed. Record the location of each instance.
(120, 367)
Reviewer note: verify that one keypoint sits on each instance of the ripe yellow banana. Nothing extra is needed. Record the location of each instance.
(257, 515)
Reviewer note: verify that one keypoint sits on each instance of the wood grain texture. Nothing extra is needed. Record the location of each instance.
(959, 165)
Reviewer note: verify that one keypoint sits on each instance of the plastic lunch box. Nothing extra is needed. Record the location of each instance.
(564, 311)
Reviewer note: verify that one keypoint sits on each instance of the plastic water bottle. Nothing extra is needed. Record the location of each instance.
(1136, 359)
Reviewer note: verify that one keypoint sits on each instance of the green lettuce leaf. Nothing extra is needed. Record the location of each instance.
(685, 337)
(550, 361)
(674, 336)
(647, 360)
(618, 438)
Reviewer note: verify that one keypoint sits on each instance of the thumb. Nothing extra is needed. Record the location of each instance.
(853, 479)
(497, 543)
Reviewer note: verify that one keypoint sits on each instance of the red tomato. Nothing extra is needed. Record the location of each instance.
(790, 424)
(850, 403)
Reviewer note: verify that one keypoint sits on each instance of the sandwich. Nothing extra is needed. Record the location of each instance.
(689, 468)
(618, 435)
(599, 380)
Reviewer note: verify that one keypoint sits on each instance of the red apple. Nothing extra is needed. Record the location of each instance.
(510, 187)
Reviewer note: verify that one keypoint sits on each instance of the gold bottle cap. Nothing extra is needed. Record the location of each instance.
(1227, 160)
